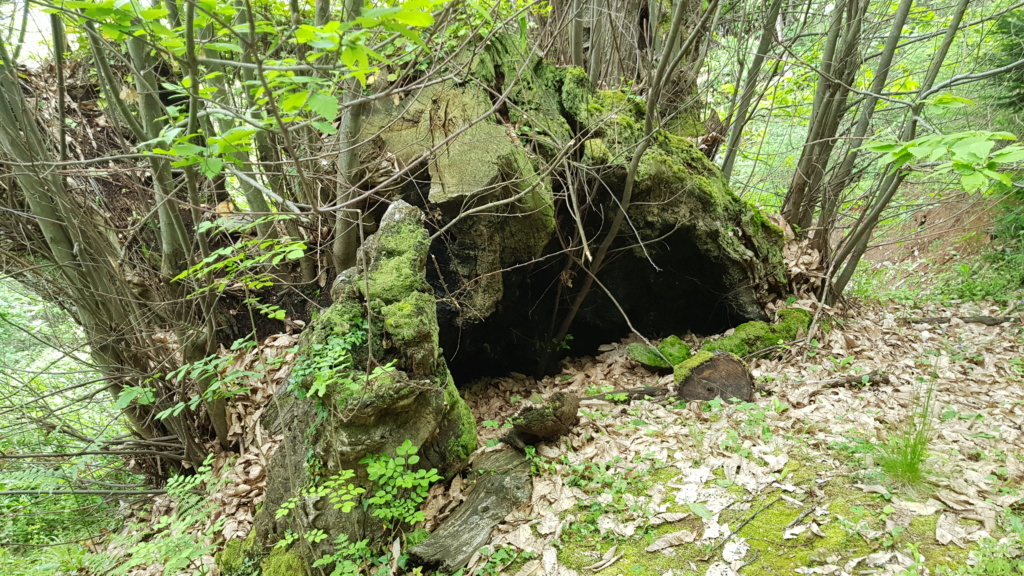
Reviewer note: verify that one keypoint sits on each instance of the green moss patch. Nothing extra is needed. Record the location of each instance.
(683, 369)
(671, 351)
(751, 337)
(284, 563)
(400, 263)
(674, 349)
(646, 356)
(239, 557)
(464, 442)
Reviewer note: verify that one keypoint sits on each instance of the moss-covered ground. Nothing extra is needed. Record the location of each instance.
(851, 524)
(789, 483)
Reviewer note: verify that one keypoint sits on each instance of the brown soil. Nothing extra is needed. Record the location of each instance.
(938, 231)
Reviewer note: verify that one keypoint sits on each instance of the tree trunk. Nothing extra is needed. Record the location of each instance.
(740, 121)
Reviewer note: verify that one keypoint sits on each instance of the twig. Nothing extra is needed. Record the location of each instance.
(986, 320)
(801, 517)
(873, 377)
(631, 393)
(79, 492)
(94, 453)
(740, 527)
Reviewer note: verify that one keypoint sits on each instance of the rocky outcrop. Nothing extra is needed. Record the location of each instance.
(512, 180)
(370, 378)
(517, 170)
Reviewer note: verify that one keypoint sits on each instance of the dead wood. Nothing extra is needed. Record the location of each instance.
(501, 484)
(857, 380)
(986, 320)
(552, 419)
(721, 376)
(630, 394)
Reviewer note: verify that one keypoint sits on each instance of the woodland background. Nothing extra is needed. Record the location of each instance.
(181, 182)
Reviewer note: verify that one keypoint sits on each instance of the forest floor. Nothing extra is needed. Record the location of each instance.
(789, 483)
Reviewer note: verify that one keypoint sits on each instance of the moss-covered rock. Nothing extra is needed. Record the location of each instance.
(412, 324)
(687, 124)
(647, 357)
(456, 437)
(674, 349)
(671, 351)
(239, 557)
(548, 419)
(284, 563)
(751, 337)
(472, 164)
(370, 377)
(399, 270)
(487, 174)
(791, 322)
(509, 65)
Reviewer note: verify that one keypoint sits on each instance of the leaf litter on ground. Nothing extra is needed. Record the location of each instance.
(974, 447)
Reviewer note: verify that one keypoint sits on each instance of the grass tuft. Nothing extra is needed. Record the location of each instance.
(903, 458)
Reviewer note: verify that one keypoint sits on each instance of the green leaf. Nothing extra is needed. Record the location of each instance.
(325, 127)
(211, 166)
(973, 149)
(305, 34)
(881, 147)
(974, 181)
(901, 159)
(323, 44)
(294, 101)
(949, 101)
(701, 510)
(153, 13)
(323, 104)
(1009, 154)
(997, 176)
(185, 149)
(920, 151)
(125, 397)
(413, 17)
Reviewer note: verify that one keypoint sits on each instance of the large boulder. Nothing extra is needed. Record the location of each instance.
(370, 378)
(518, 168)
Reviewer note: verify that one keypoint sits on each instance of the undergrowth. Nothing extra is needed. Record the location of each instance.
(996, 557)
(997, 274)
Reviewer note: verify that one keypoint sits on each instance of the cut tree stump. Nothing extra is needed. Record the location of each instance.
(502, 484)
(709, 375)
